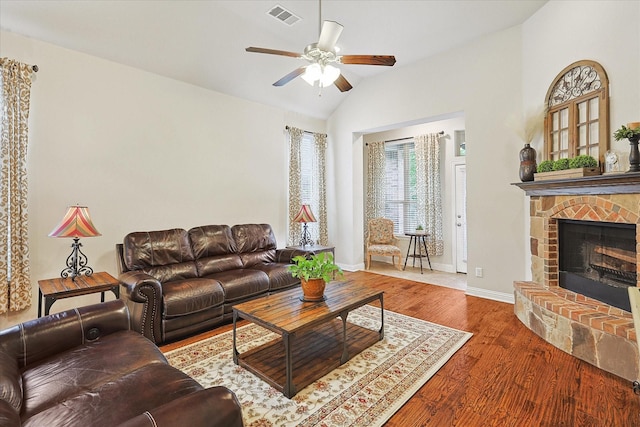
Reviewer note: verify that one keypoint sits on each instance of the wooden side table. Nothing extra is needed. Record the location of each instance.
(287, 254)
(59, 288)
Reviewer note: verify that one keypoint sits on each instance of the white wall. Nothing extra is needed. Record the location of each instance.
(446, 261)
(144, 153)
(482, 80)
(551, 42)
(492, 80)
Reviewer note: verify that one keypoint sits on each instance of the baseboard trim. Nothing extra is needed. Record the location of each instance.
(492, 295)
(351, 267)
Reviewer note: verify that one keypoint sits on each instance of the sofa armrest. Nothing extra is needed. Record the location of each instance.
(215, 406)
(37, 339)
(143, 295)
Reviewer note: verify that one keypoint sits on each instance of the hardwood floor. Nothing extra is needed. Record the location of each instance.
(505, 375)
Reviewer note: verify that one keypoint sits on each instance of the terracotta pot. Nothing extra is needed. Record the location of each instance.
(312, 289)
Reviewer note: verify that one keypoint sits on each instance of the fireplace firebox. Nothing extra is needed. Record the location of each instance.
(598, 260)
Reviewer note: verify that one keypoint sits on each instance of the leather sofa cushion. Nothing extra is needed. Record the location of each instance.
(146, 249)
(279, 275)
(241, 283)
(125, 396)
(256, 243)
(182, 297)
(171, 272)
(178, 326)
(212, 240)
(216, 264)
(251, 259)
(85, 368)
(10, 381)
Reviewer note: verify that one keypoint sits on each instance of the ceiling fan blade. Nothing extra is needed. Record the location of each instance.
(342, 84)
(273, 52)
(387, 60)
(329, 35)
(292, 75)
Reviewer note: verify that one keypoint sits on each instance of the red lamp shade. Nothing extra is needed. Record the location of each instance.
(305, 215)
(76, 223)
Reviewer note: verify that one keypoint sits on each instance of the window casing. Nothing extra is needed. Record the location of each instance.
(400, 183)
(577, 118)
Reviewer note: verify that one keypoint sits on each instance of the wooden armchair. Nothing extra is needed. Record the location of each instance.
(381, 241)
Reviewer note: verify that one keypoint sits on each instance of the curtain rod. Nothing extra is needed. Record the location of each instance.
(35, 68)
(305, 131)
(403, 139)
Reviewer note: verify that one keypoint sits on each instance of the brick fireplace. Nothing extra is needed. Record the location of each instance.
(589, 329)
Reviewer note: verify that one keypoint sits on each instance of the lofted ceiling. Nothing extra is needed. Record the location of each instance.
(203, 42)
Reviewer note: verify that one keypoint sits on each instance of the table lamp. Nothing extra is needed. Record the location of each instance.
(75, 224)
(304, 216)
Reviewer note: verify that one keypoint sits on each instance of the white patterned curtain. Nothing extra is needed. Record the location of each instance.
(317, 197)
(376, 175)
(320, 148)
(15, 90)
(429, 202)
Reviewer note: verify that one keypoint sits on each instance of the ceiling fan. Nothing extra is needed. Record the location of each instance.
(322, 55)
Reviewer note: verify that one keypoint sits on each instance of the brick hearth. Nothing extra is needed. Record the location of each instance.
(590, 330)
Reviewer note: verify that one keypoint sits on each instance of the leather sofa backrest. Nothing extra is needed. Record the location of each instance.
(256, 243)
(166, 255)
(214, 248)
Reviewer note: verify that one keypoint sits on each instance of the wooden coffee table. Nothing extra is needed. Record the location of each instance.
(315, 336)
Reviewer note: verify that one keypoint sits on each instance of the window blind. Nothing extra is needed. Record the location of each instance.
(400, 183)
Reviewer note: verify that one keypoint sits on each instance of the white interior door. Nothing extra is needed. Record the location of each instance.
(461, 218)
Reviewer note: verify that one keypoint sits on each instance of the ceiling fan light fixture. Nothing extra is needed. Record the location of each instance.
(312, 73)
(329, 75)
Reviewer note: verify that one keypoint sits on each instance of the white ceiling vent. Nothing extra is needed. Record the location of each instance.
(283, 15)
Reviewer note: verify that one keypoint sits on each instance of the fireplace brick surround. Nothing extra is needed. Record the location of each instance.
(586, 328)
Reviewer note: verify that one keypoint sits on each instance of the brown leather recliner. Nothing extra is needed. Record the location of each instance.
(179, 282)
(86, 367)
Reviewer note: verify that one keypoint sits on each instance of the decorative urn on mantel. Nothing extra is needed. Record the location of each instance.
(314, 273)
(632, 133)
(528, 128)
(528, 164)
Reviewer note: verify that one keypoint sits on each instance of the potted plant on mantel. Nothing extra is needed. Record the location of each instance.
(632, 133)
(314, 273)
(564, 168)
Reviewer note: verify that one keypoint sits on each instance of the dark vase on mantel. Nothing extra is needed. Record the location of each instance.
(528, 163)
(634, 154)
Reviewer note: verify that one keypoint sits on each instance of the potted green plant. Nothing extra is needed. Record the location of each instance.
(632, 133)
(545, 166)
(583, 161)
(419, 229)
(626, 132)
(561, 164)
(314, 273)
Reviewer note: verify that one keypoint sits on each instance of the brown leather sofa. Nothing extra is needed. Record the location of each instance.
(86, 367)
(179, 282)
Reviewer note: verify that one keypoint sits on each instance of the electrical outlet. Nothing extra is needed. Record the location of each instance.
(479, 271)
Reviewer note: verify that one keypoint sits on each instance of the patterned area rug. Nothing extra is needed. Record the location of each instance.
(365, 391)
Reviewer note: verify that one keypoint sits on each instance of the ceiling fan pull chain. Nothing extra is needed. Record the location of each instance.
(319, 17)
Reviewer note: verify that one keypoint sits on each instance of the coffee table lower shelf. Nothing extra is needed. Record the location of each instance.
(315, 353)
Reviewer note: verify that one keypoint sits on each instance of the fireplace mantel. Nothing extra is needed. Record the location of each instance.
(619, 183)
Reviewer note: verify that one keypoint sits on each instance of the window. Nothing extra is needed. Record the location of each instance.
(307, 178)
(577, 118)
(400, 184)
(310, 180)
